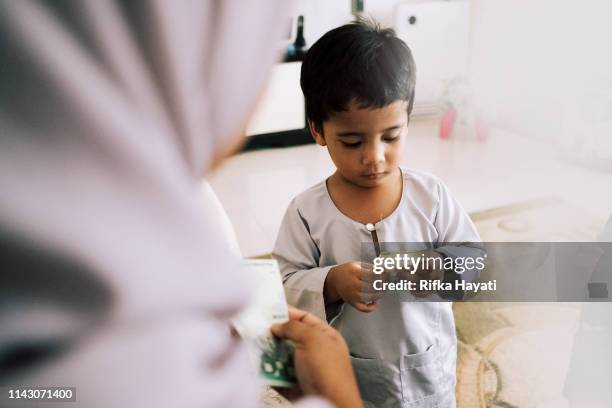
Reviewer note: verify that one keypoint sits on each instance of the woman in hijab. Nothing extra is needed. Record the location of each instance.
(114, 280)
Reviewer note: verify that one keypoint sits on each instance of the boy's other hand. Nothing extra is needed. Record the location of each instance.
(425, 273)
(322, 362)
(352, 283)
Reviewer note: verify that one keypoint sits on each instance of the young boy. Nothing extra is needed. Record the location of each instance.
(358, 81)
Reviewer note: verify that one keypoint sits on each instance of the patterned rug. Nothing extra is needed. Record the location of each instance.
(513, 355)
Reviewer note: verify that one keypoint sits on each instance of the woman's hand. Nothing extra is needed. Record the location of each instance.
(322, 361)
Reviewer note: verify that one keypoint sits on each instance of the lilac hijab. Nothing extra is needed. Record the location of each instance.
(110, 114)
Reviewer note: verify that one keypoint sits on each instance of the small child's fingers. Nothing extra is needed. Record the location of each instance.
(367, 267)
(366, 287)
(370, 297)
(366, 307)
(370, 276)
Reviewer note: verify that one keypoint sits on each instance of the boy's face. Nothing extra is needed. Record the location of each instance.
(365, 144)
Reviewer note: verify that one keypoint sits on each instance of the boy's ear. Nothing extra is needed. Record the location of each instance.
(318, 136)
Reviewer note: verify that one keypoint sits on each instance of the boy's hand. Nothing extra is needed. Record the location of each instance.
(424, 273)
(352, 283)
(322, 362)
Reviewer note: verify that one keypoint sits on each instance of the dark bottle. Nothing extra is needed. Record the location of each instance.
(296, 51)
(357, 7)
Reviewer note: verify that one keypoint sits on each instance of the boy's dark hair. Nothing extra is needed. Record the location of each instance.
(359, 61)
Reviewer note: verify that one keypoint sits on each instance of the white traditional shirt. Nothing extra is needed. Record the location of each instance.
(404, 352)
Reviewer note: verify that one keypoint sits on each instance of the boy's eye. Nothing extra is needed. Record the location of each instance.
(391, 138)
(351, 144)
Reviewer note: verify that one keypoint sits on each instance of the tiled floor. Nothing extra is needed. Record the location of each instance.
(256, 187)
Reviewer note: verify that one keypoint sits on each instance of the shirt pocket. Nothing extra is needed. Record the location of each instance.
(421, 374)
(376, 390)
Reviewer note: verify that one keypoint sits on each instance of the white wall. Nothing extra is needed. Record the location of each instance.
(322, 15)
(545, 67)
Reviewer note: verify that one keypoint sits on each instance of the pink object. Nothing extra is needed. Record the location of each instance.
(482, 130)
(447, 121)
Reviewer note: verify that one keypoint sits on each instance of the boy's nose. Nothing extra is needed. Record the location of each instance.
(373, 154)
